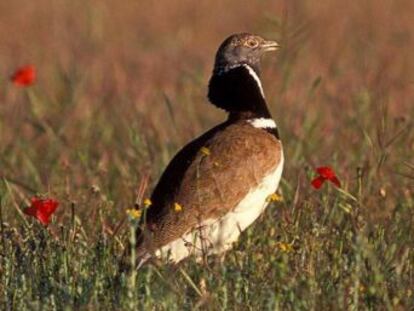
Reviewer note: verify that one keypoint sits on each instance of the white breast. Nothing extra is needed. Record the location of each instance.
(215, 236)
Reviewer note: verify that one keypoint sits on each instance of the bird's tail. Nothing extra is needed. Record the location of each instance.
(126, 262)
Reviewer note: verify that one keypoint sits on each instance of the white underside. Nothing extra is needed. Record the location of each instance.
(215, 236)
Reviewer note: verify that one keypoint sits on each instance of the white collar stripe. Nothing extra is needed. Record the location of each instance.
(255, 77)
(263, 123)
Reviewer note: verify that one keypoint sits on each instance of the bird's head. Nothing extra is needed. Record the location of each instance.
(242, 49)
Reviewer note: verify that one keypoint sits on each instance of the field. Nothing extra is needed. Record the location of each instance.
(122, 86)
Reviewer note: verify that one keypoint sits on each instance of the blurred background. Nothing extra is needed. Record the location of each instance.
(122, 85)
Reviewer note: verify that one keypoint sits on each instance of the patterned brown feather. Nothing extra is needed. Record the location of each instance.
(209, 186)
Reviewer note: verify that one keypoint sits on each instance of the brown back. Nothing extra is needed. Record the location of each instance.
(209, 186)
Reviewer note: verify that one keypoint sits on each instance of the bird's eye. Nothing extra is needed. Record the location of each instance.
(252, 43)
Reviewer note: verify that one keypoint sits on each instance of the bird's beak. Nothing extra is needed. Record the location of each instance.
(268, 46)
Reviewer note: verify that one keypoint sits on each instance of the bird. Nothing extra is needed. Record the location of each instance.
(218, 184)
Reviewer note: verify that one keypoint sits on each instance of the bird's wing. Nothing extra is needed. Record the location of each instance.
(224, 165)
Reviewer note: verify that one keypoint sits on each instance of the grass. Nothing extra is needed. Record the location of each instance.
(117, 96)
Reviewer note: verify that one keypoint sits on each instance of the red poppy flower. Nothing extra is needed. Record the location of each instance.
(325, 173)
(24, 76)
(42, 209)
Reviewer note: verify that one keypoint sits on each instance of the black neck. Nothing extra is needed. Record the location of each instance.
(238, 92)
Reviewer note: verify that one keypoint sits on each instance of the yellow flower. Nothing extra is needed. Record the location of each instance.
(284, 247)
(177, 207)
(274, 197)
(147, 202)
(205, 151)
(134, 213)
